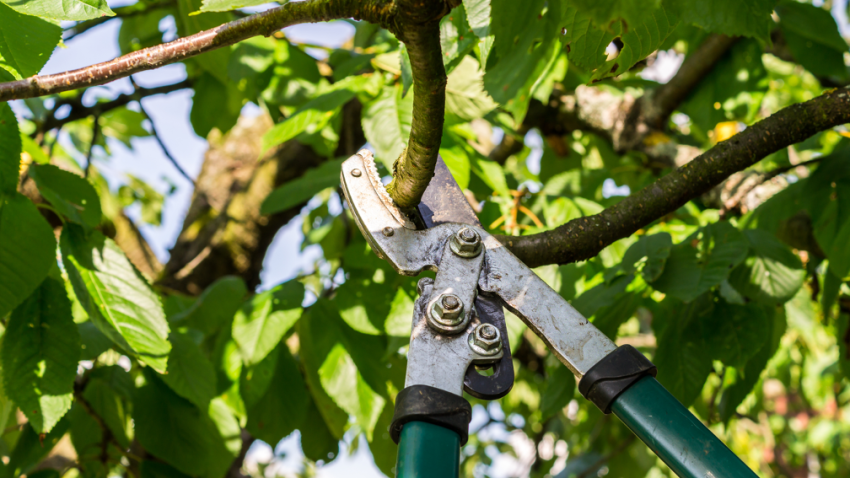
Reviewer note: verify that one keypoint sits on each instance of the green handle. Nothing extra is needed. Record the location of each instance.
(428, 451)
(689, 448)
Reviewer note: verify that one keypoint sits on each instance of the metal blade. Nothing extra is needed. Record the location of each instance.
(444, 202)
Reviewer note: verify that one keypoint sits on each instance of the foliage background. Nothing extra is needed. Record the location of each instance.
(743, 305)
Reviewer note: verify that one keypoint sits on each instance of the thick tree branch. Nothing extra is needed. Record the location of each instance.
(265, 23)
(413, 170)
(585, 237)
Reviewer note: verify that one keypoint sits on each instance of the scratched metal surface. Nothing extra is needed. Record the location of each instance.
(439, 360)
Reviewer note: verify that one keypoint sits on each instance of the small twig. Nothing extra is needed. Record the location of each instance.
(80, 111)
(739, 195)
(159, 139)
(94, 132)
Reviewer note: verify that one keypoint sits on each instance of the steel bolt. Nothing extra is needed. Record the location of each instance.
(423, 283)
(448, 309)
(466, 243)
(355, 173)
(485, 340)
(388, 231)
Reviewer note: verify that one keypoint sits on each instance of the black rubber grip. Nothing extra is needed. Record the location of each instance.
(422, 403)
(612, 375)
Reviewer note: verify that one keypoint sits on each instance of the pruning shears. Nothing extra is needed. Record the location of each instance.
(459, 324)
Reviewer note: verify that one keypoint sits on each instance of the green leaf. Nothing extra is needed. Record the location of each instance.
(827, 199)
(10, 149)
(190, 374)
(63, 9)
(215, 306)
(831, 289)
(649, 254)
(314, 115)
(682, 358)
(174, 430)
(615, 12)
(772, 275)
(639, 40)
(749, 18)
(150, 199)
(735, 83)
(107, 392)
(227, 5)
(115, 296)
(456, 38)
(26, 42)
(343, 382)
(157, 469)
(30, 147)
(586, 41)
(32, 447)
(281, 409)
(215, 61)
(213, 106)
(609, 318)
(251, 57)
(558, 391)
(254, 380)
(92, 341)
(522, 40)
(123, 124)
(748, 377)
(317, 441)
(265, 318)
(690, 271)
(600, 296)
(41, 349)
(318, 333)
(734, 333)
(465, 95)
(478, 16)
(71, 195)
(386, 123)
(27, 250)
(492, 174)
(813, 38)
(384, 450)
(141, 30)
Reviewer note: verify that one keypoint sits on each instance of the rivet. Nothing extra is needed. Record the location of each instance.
(355, 173)
(388, 231)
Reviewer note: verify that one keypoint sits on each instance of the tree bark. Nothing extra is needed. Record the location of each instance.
(223, 231)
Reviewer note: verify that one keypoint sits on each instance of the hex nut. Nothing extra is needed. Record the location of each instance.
(447, 310)
(466, 243)
(485, 340)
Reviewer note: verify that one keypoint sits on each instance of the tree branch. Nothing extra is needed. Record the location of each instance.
(585, 237)
(661, 102)
(159, 139)
(80, 111)
(413, 170)
(265, 23)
